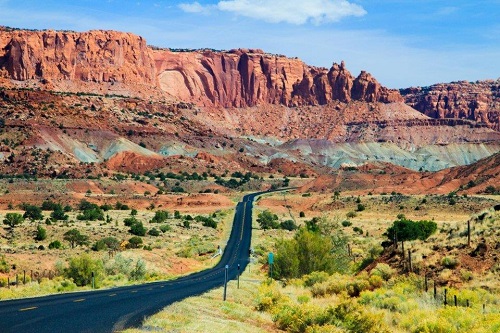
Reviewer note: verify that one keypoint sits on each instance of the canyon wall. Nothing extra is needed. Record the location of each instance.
(478, 101)
(116, 62)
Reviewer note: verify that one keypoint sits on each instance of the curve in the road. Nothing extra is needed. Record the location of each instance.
(118, 308)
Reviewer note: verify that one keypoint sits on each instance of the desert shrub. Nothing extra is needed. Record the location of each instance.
(357, 230)
(58, 214)
(302, 214)
(269, 297)
(33, 213)
(41, 233)
(351, 214)
(384, 271)
(346, 223)
(13, 219)
(107, 243)
(55, 245)
(129, 221)
(160, 216)
(165, 227)
(308, 252)
(92, 214)
(186, 224)
(139, 270)
(360, 207)
(154, 232)
(134, 242)
(4, 266)
(138, 229)
(449, 262)
(410, 230)
(268, 220)
(80, 270)
(75, 238)
(315, 277)
(288, 225)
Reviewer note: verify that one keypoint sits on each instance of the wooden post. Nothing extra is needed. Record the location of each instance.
(409, 261)
(17, 280)
(435, 290)
(468, 233)
(445, 297)
(403, 248)
(8, 282)
(455, 299)
(426, 283)
(467, 303)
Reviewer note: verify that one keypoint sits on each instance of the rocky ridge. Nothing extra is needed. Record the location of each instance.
(478, 101)
(116, 62)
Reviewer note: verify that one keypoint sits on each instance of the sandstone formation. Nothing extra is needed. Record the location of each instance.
(122, 63)
(241, 78)
(478, 101)
(75, 61)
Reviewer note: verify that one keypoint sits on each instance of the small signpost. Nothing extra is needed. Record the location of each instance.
(225, 281)
(271, 262)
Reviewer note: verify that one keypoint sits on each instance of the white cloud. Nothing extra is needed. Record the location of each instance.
(194, 7)
(290, 11)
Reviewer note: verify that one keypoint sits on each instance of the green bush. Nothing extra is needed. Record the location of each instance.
(129, 221)
(55, 245)
(449, 262)
(405, 230)
(138, 229)
(268, 220)
(41, 233)
(165, 227)
(154, 232)
(91, 215)
(346, 223)
(80, 270)
(288, 225)
(134, 242)
(107, 243)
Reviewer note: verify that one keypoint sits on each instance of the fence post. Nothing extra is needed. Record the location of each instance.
(403, 248)
(409, 261)
(468, 233)
(435, 290)
(426, 283)
(455, 299)
(445, 297)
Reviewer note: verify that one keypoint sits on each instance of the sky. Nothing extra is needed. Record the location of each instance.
(402, 43)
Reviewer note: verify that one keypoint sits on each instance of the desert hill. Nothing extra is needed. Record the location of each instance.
(75, 104)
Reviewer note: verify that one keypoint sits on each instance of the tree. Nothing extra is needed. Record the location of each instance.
(58, 213)
(13, 219)
(268, 220)
(138, 229)
(405, 230)
(75, 238)
(311, 252)
(41, 233)
(134, 242)
(33, 213)
(80, 269)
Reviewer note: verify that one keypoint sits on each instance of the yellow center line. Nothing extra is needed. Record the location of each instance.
(79, 300)
(27, 309)
(133, 291)
(111, 295)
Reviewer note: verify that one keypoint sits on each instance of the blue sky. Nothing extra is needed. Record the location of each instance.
(401, 42)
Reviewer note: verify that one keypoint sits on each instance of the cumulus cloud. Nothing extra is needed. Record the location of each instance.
(194, 7)
(290, 11)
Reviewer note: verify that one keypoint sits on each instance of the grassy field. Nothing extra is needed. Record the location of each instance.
(387, 299)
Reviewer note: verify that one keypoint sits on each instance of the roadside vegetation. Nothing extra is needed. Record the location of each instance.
(329, 277)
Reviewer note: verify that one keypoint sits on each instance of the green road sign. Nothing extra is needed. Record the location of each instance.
(271, 258)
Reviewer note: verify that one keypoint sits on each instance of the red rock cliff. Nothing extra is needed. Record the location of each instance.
(109, 61)
(478, 101)
(240, 78)
(93, 57)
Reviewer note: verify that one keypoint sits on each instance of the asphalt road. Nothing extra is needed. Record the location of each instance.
(118, 308)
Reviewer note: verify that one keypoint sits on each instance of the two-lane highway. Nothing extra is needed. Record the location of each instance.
(118, 308)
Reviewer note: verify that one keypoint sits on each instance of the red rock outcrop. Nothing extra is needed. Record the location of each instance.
(241, 78)
(122, 63)
(68, 59)
(478, 101)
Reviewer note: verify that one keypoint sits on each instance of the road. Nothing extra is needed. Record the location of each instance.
(115, 309)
